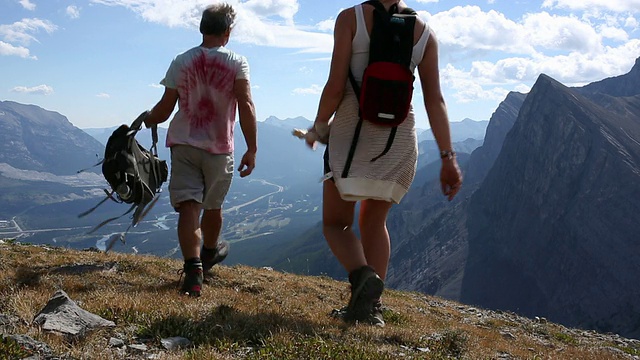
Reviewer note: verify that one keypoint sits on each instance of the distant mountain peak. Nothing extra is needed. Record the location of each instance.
(544, 79)
(32, 138)
(297, 122)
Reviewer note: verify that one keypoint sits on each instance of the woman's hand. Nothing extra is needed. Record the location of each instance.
(316, 133)
(450, 178)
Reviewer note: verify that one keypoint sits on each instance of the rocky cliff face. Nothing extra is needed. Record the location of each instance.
(32, 138)
(429, 234)
(547, 216)
(500, 124)
(552, 228)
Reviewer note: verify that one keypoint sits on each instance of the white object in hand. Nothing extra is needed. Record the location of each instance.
(300, 133)
(306, 134)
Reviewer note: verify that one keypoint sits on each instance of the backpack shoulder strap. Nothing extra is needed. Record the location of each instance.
(408, 11)
(392, 37)
(137, 123)
(376, 4)
(392, 10)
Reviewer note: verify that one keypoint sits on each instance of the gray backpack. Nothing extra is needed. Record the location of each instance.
(134, 174)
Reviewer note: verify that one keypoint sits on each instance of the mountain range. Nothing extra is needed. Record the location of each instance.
(545, 225)
(548, 218)
(278, 203)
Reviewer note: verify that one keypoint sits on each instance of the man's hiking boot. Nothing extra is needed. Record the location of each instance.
(193, 277)
(366, 289)
(210, 257)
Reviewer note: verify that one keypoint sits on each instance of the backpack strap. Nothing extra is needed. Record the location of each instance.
(356, 134)
(378, 5)
(137, 123)
(111, 219)
(155, 165)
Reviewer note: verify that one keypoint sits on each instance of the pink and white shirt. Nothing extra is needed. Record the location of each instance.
(204, 79)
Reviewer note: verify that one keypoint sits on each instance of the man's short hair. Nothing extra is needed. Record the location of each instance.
(217, 19)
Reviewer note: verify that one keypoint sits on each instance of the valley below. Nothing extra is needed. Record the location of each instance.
(253, 209)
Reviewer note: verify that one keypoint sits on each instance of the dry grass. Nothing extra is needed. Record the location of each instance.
(249, 313)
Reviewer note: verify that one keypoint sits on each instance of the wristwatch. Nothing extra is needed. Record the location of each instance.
(447, 154)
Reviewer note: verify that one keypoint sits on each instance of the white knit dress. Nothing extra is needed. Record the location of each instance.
(389, 177)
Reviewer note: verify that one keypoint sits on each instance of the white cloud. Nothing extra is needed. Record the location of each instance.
(607, 5)
(574, 69)
(305, 70)
(570, 49)
(156, 86)
(469, 28)
(21, 31)
(259, 22)
(471, 86)
(10, 50)
(284, 9)
(312, 90)
(326, 25)
(575, 48)
(566, 33)
(103, 95)
(631, 22)
(28, 5)
(36, 90)
(73, 11)
(613, 33)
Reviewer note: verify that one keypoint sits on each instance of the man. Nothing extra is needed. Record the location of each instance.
(207, 82)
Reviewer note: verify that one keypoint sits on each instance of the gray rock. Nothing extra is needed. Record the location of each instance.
(138, 348)
(8, 324)
(174, 343)
(62, 315)
(32, 345)
(115, 342)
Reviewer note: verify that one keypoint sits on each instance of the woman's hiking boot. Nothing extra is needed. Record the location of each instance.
(193, 277)
(366, 289)
(375, 318)
(211, 257)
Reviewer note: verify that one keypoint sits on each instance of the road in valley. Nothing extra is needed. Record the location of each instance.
(237, 207)
(12, 229)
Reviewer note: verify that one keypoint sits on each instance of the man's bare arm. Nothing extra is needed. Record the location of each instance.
(163, 109)
(247, 113)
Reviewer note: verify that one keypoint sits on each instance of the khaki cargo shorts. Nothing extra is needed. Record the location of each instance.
(199, 176)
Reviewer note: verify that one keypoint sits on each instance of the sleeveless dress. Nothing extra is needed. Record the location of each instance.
(389, 177)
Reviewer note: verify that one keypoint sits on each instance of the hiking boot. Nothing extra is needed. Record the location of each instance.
(375, 317)
(210, 257)
(366, 289)
(193, 278)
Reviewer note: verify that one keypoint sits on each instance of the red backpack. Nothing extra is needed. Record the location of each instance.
(387, 83)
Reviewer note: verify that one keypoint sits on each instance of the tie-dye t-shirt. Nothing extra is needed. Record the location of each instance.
(204, 79)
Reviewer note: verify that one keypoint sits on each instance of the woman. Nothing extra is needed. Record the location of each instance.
(379, 184)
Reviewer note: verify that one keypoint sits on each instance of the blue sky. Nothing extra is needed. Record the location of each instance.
(99, 62)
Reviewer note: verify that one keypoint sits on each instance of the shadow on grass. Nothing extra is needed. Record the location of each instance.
(225, 324)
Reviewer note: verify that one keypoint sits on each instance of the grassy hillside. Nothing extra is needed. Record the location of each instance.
(253, 313)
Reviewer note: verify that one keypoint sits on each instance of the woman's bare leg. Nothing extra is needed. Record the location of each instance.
(337, 219)
(375, 237)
